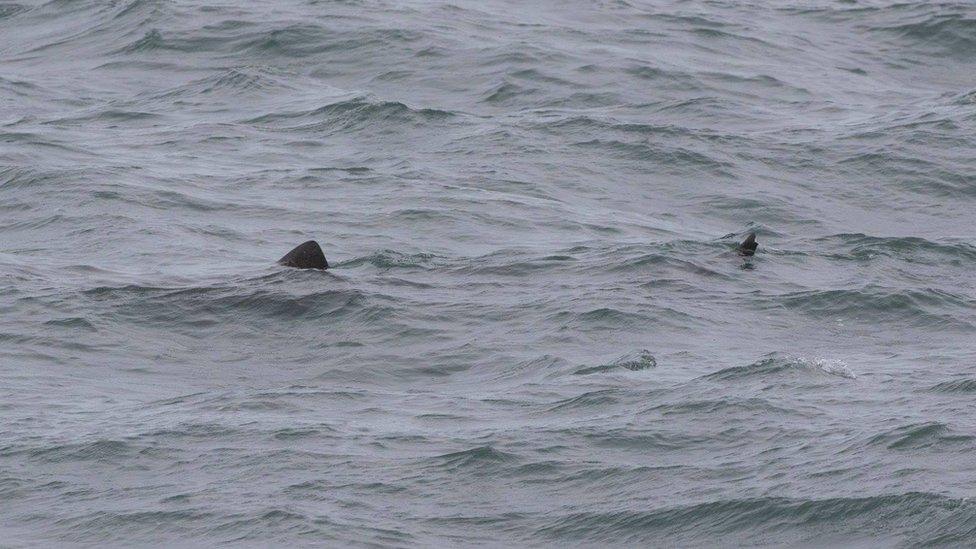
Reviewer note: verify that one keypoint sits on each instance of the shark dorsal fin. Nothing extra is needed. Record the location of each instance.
(307, 255)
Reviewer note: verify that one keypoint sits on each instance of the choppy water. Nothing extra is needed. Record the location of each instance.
(535, 331)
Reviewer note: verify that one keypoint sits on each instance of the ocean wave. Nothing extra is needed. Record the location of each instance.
(861, 247)
(482, 458)
(673, 159)
(349, 114)
(916, 518)
(612, 318)
(390, 259)
(101, 451)
(927, 307)
(641, 360)
(776, 366)
(950, 31)
(238, 81)
(959, 386)
(919, 436)
(590, 400)
(12, 9)
(721, 406)
(197, 308)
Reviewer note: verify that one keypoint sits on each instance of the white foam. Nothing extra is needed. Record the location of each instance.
(834, 367)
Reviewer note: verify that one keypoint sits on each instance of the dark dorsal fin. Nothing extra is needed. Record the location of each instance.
(307, 255)
(749, 245)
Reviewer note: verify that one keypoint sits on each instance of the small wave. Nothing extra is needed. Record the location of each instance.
(862, 247)
(672, 159)
(99, 450)
(914, 516)
(918, 307)
(488, 266)
(482, 457)
(961, 386)
(589, 400)
(104, 115)
(775, 366)
(951, 33)
(641, 360)
(390, 259)
(11, 9)
(348, 115)
(236, 81)
(604, 318)
(508, 93)
(722, 405)
(532, 368)
(74, 322)
(153, 39)
(306, 40)
(194, 310)
(920, 435)
(669, 259)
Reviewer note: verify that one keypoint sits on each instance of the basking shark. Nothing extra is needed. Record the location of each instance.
(748, 246)
(307, 255)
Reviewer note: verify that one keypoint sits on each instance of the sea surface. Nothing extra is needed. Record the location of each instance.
(536, 331)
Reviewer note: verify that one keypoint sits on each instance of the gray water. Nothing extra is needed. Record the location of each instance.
(536, 331)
